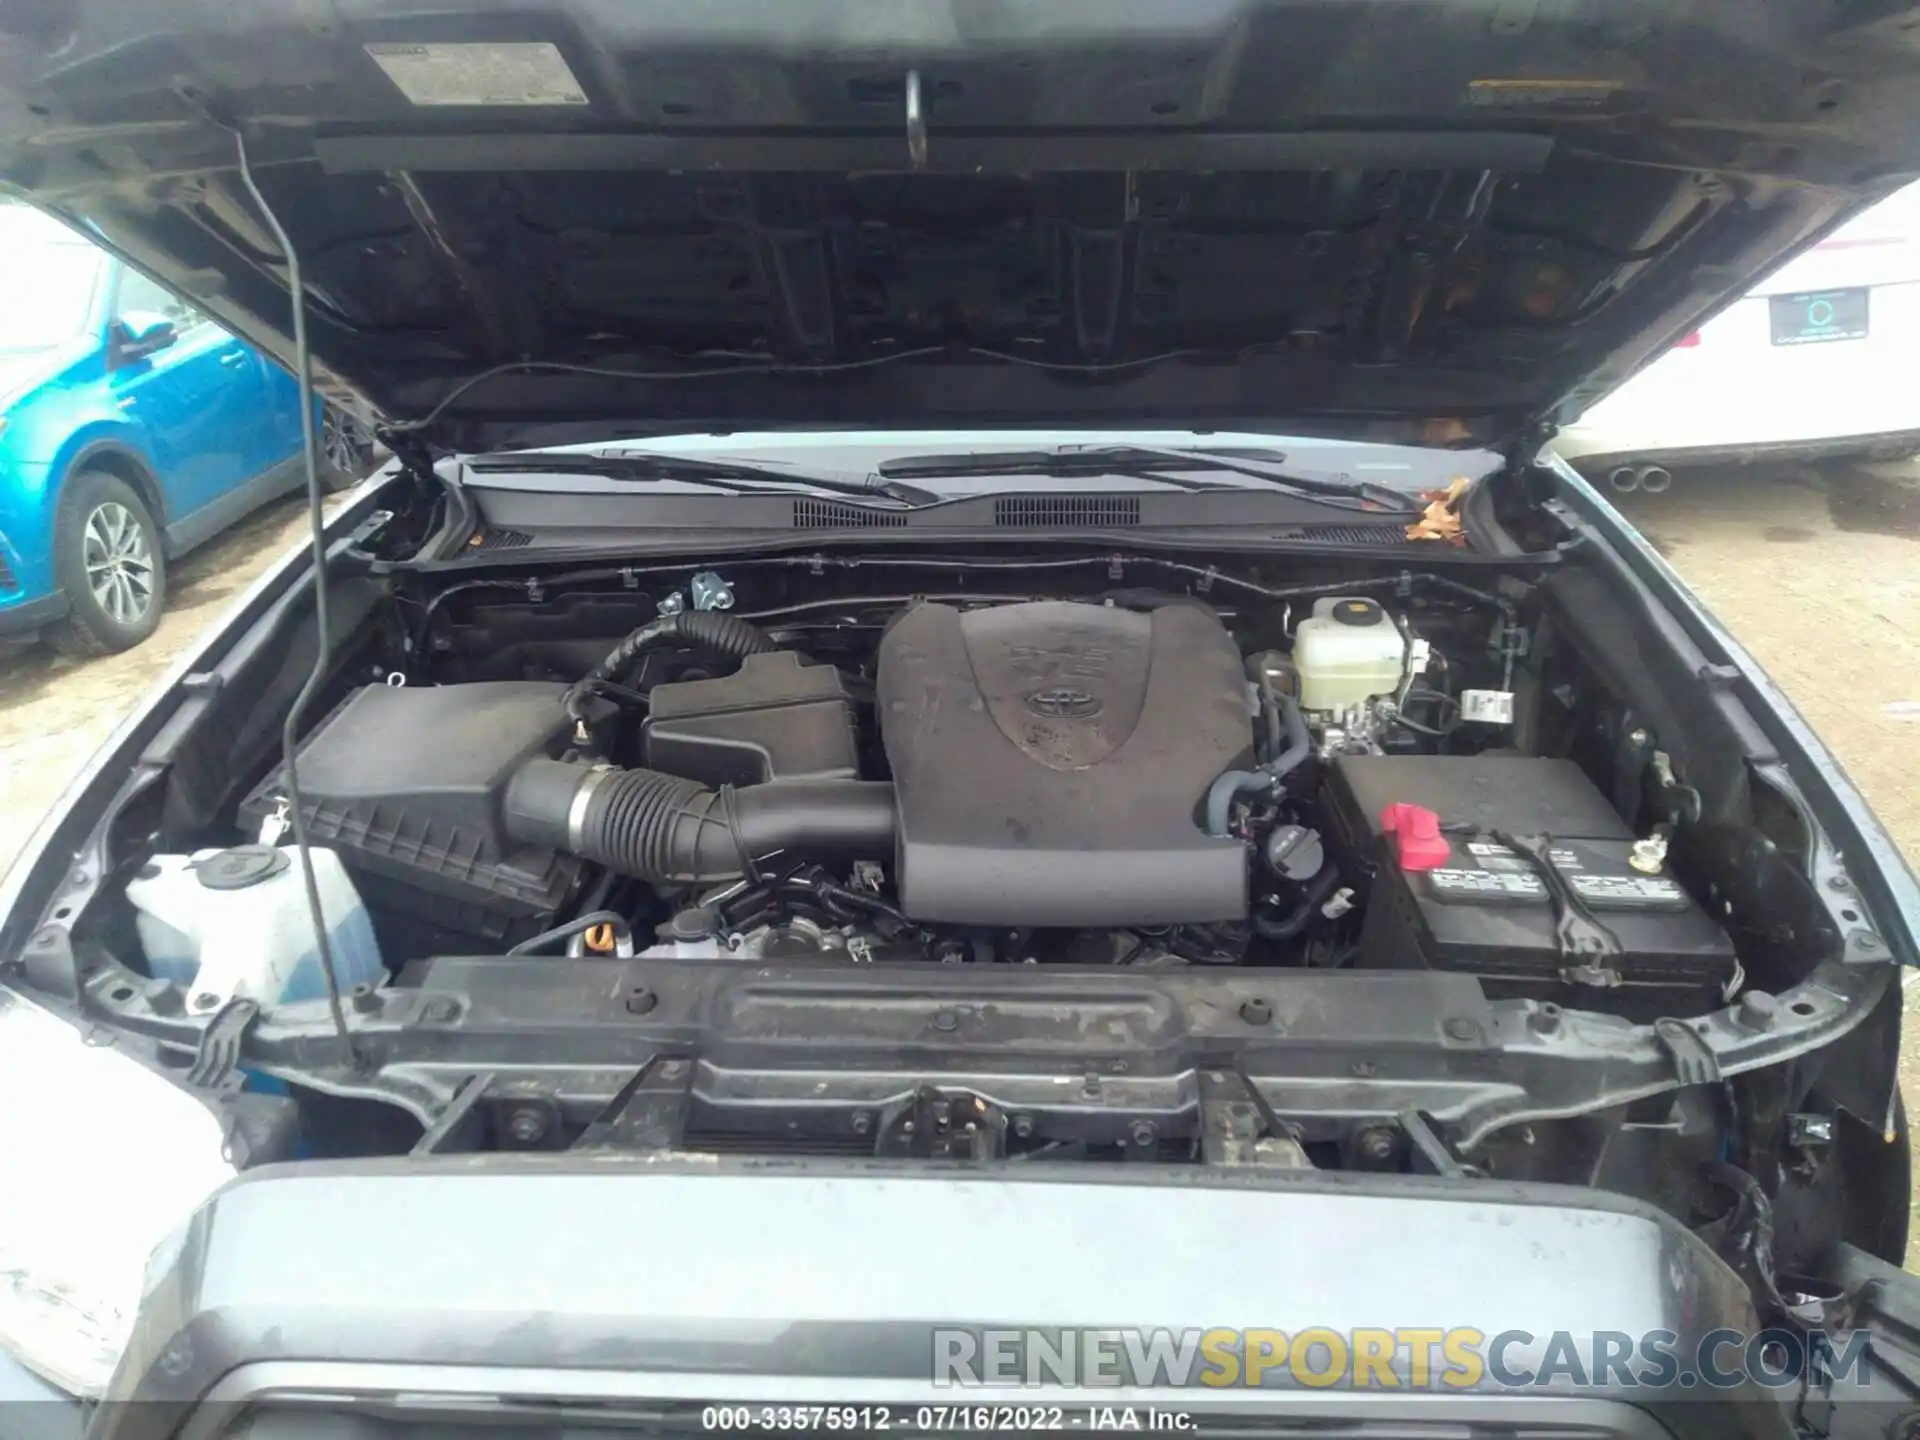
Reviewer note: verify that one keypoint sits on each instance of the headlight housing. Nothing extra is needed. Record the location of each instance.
(103, 1159)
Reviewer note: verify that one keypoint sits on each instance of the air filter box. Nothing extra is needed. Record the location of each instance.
(405, 785)
(1485, 908)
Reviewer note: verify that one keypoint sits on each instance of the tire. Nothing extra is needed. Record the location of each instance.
(346, 450)
(108, 559)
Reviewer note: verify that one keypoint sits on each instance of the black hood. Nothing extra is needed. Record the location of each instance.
(1451, 221)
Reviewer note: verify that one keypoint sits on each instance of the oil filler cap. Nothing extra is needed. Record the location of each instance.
(1418, 843)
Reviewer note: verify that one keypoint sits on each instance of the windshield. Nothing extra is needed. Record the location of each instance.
(47, 281)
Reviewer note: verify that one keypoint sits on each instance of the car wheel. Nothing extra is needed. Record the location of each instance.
(346, 450)
(108, 559)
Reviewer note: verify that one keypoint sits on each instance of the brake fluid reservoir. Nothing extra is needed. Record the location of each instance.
(235, 922)
(1346, 652)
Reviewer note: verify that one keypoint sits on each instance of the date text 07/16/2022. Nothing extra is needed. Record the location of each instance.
(944, 1419)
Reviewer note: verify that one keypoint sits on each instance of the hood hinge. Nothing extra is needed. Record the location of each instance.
(411, 451)
(1527, 446)
(417, 463)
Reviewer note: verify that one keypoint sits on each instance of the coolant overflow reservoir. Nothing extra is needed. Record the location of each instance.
(235, 922)
(1346, 652)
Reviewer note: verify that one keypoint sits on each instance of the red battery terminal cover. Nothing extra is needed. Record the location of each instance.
(1418, 843)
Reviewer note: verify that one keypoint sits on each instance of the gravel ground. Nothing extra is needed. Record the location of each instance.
(1817, 573)
(55, 712)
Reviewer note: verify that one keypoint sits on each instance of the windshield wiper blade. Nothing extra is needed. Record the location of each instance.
(733, 477)
(1149, 462)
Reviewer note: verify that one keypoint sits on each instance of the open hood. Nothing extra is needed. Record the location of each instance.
(1447, 221)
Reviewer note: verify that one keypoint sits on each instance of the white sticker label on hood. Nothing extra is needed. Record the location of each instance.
(517, 73)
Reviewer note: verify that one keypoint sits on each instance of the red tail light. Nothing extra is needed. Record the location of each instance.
(1687, 341)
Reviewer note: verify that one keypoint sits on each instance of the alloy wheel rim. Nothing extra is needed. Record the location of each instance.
(119, 562)
(337, 442)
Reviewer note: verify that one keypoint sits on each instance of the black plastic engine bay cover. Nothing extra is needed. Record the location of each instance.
(1050, 761)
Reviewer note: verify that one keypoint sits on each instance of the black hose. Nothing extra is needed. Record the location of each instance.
(1270, 709)
(829, 893)
(674, 832)
(1265, 780)
(712, 631)
(1299, 741)
(1295, 922)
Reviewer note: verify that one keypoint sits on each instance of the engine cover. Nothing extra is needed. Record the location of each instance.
(1050, 761)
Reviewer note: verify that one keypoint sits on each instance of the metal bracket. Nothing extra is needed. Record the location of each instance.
(368, 528)
(216, 1063)
(932, 1126)
(648, 1113)
(1693, 1059)
(1238, 1127)
(710, 591)
(1809, 1131)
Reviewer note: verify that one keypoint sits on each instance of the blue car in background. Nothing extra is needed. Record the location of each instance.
(132, 429)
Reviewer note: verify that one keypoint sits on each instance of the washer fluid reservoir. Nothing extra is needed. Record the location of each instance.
(235, 922)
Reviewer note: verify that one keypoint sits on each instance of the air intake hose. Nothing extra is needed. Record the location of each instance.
(671, 831)
(712, 631)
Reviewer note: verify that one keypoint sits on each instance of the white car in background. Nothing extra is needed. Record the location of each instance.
(1820, 359)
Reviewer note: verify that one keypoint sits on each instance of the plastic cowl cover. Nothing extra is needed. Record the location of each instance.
(103, 1160)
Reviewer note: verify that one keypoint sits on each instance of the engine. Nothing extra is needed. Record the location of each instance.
(1050, 762)
(912, 868)
(1049, 780)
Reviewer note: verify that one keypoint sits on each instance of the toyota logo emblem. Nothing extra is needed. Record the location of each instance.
(1061, 702)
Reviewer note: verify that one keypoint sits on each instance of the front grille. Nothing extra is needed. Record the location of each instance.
(1038, 512)
(810, 514)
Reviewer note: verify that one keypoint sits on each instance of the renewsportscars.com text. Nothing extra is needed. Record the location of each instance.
(1402, 1358)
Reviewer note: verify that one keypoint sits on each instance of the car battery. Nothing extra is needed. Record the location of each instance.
(1483, 908)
